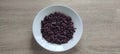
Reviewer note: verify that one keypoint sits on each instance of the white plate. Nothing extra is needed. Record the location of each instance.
(67, 11)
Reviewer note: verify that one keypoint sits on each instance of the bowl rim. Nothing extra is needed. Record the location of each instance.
(79, 17)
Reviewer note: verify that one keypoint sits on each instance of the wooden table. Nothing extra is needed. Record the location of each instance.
(101, 20)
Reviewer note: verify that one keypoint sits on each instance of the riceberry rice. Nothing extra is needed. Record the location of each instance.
(57, 28)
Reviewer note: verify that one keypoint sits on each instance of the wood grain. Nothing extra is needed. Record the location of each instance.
(101, 19)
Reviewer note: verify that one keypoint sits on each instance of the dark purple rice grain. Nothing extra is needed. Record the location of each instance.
(57, 28)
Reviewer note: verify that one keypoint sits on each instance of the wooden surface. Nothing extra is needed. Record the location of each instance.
(101, 20)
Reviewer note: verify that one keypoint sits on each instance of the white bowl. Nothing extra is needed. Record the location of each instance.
(67, 11)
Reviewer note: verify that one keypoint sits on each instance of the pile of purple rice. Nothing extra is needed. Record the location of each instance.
(57, 28)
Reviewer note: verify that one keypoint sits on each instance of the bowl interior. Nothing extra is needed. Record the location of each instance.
(55, 47)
